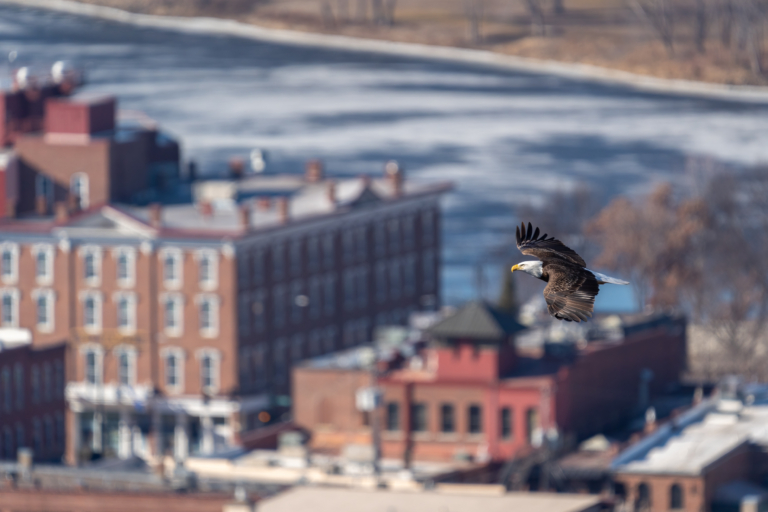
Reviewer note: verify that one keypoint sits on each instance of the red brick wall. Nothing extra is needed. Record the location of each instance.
(472, 362)
(603, 385)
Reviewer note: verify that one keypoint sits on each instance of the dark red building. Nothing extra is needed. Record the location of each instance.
(471, 394)
(32, 405)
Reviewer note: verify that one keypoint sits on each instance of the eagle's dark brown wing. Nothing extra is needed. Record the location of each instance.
(570, 293)
(530, 243)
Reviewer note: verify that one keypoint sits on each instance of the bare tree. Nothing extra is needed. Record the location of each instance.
(473, 9)
(660, 16)
(536, 13)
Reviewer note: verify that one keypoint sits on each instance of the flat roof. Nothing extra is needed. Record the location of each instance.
(717, 428)
(323, 499)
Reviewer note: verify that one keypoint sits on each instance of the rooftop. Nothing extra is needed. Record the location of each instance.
(701, 436)
(477, 320)
(455, 497)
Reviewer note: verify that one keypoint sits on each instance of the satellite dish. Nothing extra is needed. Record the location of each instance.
(59, 70)
(258, 161)
(22, 77)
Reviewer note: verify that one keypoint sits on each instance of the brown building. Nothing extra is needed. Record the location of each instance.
(183, 319)
(470, 393)
(713, 457)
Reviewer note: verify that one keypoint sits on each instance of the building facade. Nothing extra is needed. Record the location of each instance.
(471, 394)
(182, 320)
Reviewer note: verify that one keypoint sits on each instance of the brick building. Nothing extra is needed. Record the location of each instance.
(713, 457)
(183, 319)
(32, 406)
(471, 393)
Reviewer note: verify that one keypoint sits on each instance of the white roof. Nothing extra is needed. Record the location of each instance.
(320, 499)
(721, 427)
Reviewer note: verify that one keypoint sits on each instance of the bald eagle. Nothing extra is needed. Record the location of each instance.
(571, 287)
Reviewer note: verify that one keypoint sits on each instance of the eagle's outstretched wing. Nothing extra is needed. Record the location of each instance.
(530, 243)
(570, 295)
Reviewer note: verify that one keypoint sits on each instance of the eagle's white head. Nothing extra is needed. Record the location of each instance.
(530, 267)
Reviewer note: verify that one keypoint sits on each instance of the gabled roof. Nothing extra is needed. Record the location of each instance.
(476, 320)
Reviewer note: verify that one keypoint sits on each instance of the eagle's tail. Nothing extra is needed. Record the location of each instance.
(603, 279)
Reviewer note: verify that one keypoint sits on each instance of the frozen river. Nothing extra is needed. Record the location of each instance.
(502, 136)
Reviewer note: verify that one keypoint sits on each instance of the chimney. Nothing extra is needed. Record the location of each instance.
(155, 215)
(282, 207)
(236, 168)
(62, 212)
(331, 192)
(245, 217)
(206, 209)
(396, 176)
(263, 204)
(74, 202)
(313, 171)
(41, 205)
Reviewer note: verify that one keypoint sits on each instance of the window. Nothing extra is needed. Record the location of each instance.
(278, 305)
(174, 369)
(18, 377)
(447, 420)
(207, 269)
(313, 254)
(532, 424)
(126, 312)
(125, 263)
(643, 501)
(9, 263)
(330, 339)
(257, 308)
(78, 187)
(408, 233)
(35, 384)
(244, 314)
(418, 417)
(208, 311)
(9, 451)
(43, 254)
(126, 365)
(329, 253)
(315, 301)
(349, 290)
(329, 295)
(44, 189)
(298, 302)
(49, 437)
(393, 416)
(209, 370)
(428, 270)
(173, 314)
(428, 227)
(93, 357)
(475, 421)
(92, 312)
(47, 382)
(505, 422)
(348, 245)
(409, 275)
(91, 258)
(676, 497)
(37, 435)
(171, 260)
(20, 436)
(361, 243)
(394, 279)
(44, 300)
(380, 238)
(381, 281)
(5, 375)
(58, 378)
(394, 235)
(295, 258)
(361, 287)
(257, 274)
(10, 305)
(278, 262)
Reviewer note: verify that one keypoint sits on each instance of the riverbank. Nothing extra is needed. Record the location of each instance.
(221, 26)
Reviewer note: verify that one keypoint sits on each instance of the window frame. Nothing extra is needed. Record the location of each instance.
(130, 300)
(13, 295)
(129, 281)
(212, 257)
(49, 296)
(129, 353)
(177, 256)
(84, 192)
(177, 299)
(179, 357)
(447, 418)
(48, 251)
(98, 360)
(98, 312)
(393, 420)
(11, 248)
(474, 423)
(212, 330)
(214, 356)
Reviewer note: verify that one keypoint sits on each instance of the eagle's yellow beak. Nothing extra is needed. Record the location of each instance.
(516, 267)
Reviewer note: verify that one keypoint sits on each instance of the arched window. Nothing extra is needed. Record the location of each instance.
(643, 502)
(676, 497)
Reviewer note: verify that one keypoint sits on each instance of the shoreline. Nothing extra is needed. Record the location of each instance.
(585, 72)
